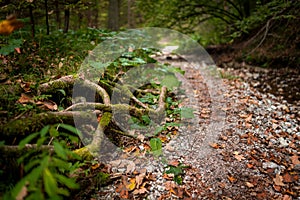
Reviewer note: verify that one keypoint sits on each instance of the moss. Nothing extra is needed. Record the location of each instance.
(102, 179)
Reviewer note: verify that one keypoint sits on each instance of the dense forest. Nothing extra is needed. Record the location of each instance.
(92, 99)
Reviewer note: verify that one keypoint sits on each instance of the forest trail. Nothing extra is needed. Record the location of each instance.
(256, 156)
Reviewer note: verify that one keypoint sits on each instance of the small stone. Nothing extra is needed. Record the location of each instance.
(283, 142)
(270, 165)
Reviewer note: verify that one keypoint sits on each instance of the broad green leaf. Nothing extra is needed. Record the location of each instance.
(174, 170)
(170, 81)
(146, 119)
(60, 150)
(53, 131)
(27, 139)
(178, 179)
(187, 113)
(156, 146)
(31, 164)
(50, 183)
(63, 191)
(37, 194)
(44, 131)
(62, 91)
(70, 128)
(70, 183)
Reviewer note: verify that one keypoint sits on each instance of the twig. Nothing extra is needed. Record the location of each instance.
(263, 39)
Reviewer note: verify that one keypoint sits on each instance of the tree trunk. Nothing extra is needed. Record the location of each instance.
(32, 20)
(47, 18)
(113, 15)
(67, 19)
(57, 13)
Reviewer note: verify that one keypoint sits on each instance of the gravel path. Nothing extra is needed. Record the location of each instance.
(254, 156)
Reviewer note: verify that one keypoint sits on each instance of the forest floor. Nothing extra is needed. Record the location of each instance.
(256, 155)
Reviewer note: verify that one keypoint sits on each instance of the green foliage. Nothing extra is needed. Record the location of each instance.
(156, 146)
(177, 171)
(273, 10)
(47, 172)
(8, 48)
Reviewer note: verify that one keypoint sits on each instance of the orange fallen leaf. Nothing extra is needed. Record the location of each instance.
(214, 145)
(295, 160)
(239, 157)
(25, 99)
(140, 191)
(174, 163)
(287, 197)
(248, 119)
(249, 185)
(231, 179)
(278, 180)
(287, 178)
(131, 185)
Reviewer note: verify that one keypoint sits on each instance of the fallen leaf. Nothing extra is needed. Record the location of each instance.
(278, 180)
(287, 197)
(295, 160)
(131, 185)
(287, 178)
(22, 194)
(139, 179)
(248, 119)
(130, 167)
(174, 163)
(249, 185)
(140, 191)
(239, 157)
(214, 145)
(25, 99)
(231, 179)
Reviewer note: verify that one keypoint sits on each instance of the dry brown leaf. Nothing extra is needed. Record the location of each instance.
(140, 191)
(22, 194)
(239, 157)
(131, 185)
(287, 178)
(215, 145)
(278, 180)
(231, 179)
(295, 160)
(139, 179)
(130, 167)
(51, 105)
(174, 163)
(248, 119)
(249, 185)
(25, 99)
(170, 185)
(287, 197)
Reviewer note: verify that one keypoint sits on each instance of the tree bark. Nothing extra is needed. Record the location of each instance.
(113, 15)
(47, 17)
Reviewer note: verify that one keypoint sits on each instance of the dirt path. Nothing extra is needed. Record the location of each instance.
(256, 156)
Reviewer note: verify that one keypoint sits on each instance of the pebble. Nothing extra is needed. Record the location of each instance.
(270, 165)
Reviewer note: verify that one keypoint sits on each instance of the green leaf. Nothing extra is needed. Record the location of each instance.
(170, 81)
(146, 119)
(62, 91)
(187, 113)
(53, 131)
(174, 170)
(70, 128)
(70, 183)
(50, 183)
(44, 131)
(27, 140)
(156, 146)
(60, 150)
(178, 179)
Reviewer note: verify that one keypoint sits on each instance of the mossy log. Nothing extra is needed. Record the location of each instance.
(22, 127)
